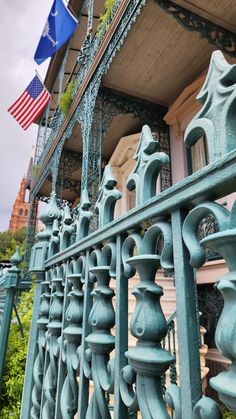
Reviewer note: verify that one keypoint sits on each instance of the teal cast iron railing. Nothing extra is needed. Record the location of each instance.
(79, 355)
(9, 285)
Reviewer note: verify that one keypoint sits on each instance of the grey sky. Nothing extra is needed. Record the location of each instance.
(21, 28)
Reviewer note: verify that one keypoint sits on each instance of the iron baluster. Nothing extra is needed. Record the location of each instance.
(72, 340)
(38, 369)
(101, 342)
(52, 346)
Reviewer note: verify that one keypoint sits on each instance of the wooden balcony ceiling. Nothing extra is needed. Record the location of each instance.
(159, 57)
(121, 125)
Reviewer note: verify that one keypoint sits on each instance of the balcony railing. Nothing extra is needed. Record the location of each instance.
(85, 58)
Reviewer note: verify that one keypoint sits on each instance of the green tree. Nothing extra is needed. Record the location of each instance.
(9, 242)
(14, 369)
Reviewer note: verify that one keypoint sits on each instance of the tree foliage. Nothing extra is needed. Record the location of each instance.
(105, 19)
(67, 97)
(9, 242)
(14, 369)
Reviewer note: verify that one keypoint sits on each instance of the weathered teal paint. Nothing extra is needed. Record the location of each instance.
(188, 342)
(224, 241)
(75, 339)
(35, 360)
(9, 283)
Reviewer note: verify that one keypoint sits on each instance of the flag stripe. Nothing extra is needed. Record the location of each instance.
(31, 103)
(24, 105)
(32, 111)
(17, 103)
(35, 116)
(41, 105)
(28, 109)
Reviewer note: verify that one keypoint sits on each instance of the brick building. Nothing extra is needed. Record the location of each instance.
(20, 210)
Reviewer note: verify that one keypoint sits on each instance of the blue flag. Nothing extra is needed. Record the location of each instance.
(60, 25)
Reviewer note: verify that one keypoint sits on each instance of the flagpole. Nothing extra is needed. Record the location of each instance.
(40, 78)
(68, 6)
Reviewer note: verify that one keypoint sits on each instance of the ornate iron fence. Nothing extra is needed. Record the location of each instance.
(79, 361)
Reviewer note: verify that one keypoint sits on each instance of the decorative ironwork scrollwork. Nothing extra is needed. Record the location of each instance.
(215, 34)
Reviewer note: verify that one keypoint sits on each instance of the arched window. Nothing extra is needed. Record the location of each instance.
(26, 213)
(21, 211)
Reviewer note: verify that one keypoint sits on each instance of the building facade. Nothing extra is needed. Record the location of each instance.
(20, 210)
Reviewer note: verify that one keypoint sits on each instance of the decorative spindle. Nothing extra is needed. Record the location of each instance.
(72, 339)
(39, 361)
(54, 331)
(101, 342)
(148, 361)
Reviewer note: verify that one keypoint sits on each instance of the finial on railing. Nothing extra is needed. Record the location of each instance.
(40, 250)
(216, 119)
(107, 198)
(16, 258)
(52, 211)
(149, 160)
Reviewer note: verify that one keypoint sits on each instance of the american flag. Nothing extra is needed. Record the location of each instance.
(31, 103)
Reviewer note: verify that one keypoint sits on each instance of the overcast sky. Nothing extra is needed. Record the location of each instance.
(21, 27)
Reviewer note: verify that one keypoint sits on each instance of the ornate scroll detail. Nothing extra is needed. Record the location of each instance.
(221, 215)
(115, 103)
(149, 163)
(101, 342)
(173, 400)
(215, 34)
(52, 347)
(68, 162)
(224, 242)
(72, 339)
(85, 50)
(148, 361)
(215, 119)
(107, 198)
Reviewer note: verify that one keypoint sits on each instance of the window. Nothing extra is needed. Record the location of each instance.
(198, 155)
(21, 211)
(26, 213)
